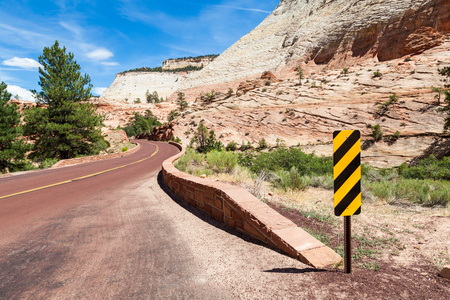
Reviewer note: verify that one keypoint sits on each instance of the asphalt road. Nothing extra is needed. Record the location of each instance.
(109, 230)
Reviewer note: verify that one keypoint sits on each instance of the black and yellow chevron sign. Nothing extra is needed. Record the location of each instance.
(347, 172)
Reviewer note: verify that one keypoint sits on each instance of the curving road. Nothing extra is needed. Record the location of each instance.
(108, 230)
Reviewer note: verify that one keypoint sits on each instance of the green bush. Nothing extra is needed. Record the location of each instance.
(222, 161)
(422, 192)
(286, 159)
(428, 168)
(231, 146)
(47, 163)
(289, 180)
(377, 134)
(141, 124)
(190, 156)
(262, 144)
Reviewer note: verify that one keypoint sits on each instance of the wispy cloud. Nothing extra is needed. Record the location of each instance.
(246, 9)
(100, 54)
(110, 64)
(25, 63)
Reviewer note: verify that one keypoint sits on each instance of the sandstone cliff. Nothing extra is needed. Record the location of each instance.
(340, 45)
(334, 32)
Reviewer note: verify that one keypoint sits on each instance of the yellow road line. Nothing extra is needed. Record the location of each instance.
(82, 177)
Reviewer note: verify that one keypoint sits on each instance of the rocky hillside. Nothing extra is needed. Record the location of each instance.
(338, 33)
(332, 32)
(132, 86)
(364, 63)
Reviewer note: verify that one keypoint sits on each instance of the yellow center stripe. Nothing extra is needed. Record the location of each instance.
(347, 186)
(82, 177)
(348, 157)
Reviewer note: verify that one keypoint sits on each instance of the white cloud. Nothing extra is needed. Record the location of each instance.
(100, 54)
(111, 64)
(21, 92)
(98, 90)
(25, 63)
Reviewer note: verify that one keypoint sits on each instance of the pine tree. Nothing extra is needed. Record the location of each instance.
(181, 100)
(12, 149)
(69, 126)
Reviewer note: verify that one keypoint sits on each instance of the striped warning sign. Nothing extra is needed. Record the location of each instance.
(347, 172)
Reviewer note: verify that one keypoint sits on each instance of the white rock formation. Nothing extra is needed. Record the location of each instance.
(333, 32)
(133, 85)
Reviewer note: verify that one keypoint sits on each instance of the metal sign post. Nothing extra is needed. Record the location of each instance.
(347, 183)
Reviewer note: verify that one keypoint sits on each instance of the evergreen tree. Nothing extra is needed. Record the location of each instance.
(69, 126)
(12, 149)
(205, 142)
(181, 100)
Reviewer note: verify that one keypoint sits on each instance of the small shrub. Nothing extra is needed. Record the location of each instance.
(377, 134)
(245, 146)
(268, 82)
(47, 163)
(222, 161)
(176, 139)
(172, 115)
(377, 74)
(289, 180)
(262, 144)
(124, 149)
(231, 146)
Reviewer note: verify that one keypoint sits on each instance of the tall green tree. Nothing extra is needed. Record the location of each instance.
(12, 148)
(446, 72)
(68, 126)
(181, 100)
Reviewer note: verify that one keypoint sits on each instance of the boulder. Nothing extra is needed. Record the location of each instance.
(161, 133)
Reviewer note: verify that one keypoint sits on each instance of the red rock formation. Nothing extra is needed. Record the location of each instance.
(161, 133)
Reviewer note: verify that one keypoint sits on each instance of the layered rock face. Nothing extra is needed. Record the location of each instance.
(173, 64)
(133, 86)
(334, 32)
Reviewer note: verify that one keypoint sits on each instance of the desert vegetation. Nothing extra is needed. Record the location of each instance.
(141, 124)
(426, 184)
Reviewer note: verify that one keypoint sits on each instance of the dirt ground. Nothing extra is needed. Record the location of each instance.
(394, 248)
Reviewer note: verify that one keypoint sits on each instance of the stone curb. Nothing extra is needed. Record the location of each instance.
(86, 159)
(239, 209)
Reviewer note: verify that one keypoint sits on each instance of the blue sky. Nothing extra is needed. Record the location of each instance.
(108, 37)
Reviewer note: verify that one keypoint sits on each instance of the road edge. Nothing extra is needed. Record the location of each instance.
(92, 158)
(240, 210)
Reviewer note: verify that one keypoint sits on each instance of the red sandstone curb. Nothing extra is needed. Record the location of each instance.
(86, 159)
(239, 209)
